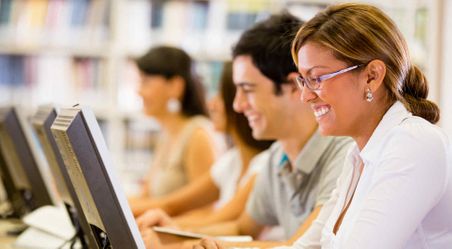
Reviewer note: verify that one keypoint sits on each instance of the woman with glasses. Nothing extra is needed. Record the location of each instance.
(396, 187)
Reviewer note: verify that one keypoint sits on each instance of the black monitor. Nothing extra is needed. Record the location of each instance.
(21, 176)
(42, 121)
(16, 202)
(87, 160)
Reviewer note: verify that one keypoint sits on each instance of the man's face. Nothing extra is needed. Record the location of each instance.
(256, 99)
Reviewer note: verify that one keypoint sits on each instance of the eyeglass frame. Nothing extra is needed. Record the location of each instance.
(301, 82)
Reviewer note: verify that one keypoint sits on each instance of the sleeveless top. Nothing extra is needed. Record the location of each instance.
(170, 173)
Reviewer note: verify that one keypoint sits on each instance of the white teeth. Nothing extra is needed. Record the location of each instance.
(321, 111)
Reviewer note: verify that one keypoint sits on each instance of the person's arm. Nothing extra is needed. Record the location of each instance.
(245, 225)
(270, 244)
(200, 154)
(195, 215)
(230, 211)
(155, 217)
(195, 194)
(154, 240)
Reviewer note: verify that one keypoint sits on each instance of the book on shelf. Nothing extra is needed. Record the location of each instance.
(179, 23)
(54, 79)
(210, 73)
(54, 22)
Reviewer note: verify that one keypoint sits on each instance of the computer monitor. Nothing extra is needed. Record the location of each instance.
(42, 121)
(16, 203)
(80, 142)
(23, 180)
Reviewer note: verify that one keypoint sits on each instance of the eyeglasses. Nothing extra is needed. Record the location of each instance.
(315, 83)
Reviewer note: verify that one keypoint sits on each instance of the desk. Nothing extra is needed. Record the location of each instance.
(7, 242)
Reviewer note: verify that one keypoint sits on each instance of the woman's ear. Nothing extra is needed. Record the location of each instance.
(375, 74)
(177, 87)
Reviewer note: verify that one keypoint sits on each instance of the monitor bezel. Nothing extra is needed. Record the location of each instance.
(42, 122)
(85, 152)
(16, 144)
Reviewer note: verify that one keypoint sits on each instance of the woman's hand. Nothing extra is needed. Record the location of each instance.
(151, 240)
(155, 217)
(208, 243)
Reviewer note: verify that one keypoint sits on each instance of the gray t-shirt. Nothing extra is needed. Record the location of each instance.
(286, 198)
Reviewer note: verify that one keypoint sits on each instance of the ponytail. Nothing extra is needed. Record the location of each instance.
(414, 91)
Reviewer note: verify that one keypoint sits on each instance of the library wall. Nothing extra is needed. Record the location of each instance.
(446, 82)
(82, 51)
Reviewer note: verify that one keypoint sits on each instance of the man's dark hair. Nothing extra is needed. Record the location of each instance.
(269, 44)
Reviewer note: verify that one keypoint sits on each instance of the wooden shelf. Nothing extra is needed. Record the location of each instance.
(100, 52)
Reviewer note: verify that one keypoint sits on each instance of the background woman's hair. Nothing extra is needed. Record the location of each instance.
(237, 121)
(359, 33)
(170, 62)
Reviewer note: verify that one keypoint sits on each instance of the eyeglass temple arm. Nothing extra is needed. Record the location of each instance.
(331, 75)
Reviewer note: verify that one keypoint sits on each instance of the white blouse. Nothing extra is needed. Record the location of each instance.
(404, 195)
(226, 173)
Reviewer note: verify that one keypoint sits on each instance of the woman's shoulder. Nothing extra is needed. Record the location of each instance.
(199, 132)
(418, 141)
(419, 149)
(198, 121)
(196, 127)
(417, 129)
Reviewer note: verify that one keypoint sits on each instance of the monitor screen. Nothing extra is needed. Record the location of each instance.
(19, 166)
(42, 121)
(91, 171)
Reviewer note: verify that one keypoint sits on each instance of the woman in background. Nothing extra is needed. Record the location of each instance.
(230, 179)
(172, 95)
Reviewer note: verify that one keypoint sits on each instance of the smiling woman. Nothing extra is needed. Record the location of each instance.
(338, 102)
(173, 96)
(396, 187)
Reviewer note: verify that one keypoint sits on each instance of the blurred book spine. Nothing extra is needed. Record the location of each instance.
(54, 22)
(52, 79)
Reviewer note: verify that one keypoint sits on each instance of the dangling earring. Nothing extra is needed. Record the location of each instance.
(369, 95)
(173, 105)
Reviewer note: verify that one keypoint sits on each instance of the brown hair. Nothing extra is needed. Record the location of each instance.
(360, 33)
(169, 62)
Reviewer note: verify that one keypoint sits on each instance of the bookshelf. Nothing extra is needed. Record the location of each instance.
(81, 51)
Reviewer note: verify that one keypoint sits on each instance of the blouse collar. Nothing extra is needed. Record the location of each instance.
(393, 117)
